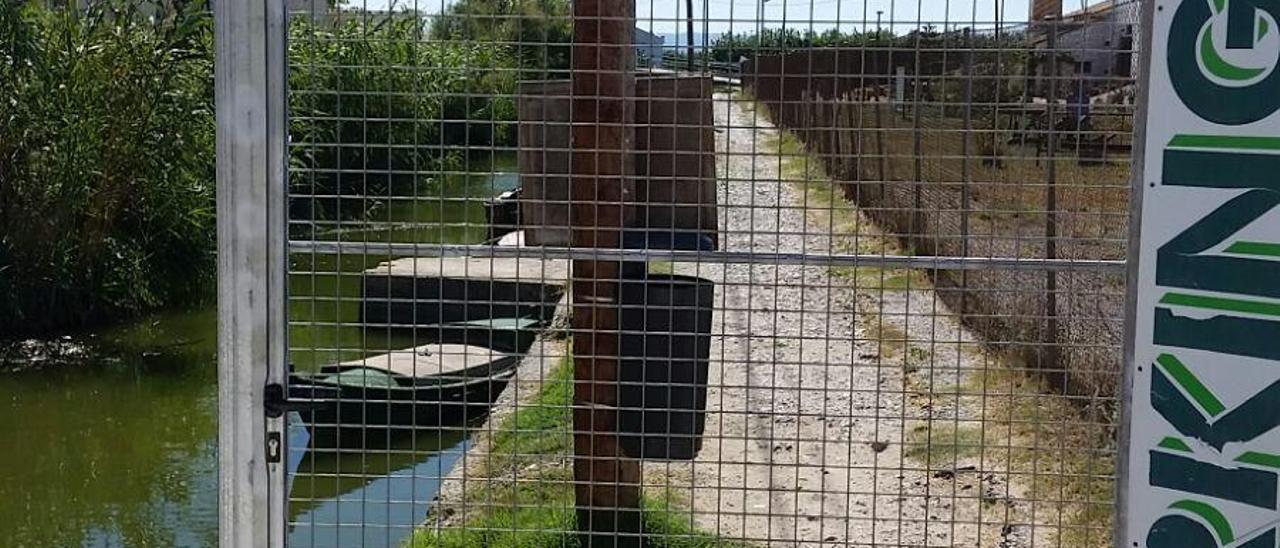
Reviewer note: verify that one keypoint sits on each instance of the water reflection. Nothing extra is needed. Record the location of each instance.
(114, 446)
(370, 498)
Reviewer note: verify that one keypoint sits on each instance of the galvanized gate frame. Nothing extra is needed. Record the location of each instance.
(252, 260)
(1121, 522)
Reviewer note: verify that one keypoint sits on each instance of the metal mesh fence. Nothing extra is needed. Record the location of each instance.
(795, 273)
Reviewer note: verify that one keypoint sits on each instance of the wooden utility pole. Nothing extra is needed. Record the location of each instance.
(607, 483)
(1050, 361)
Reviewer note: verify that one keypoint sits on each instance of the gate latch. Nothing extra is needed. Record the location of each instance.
(276, 401)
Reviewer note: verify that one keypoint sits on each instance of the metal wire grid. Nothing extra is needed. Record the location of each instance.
(916, 320)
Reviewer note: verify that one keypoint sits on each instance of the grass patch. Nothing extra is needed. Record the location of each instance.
(1062, 448)
(525, 497)
(903, 280)
(797, 164)
(892, 340)
(942, 443)
(542, 427)
(916, 358)
(662, 267)
(669, 525)
(1059, 450)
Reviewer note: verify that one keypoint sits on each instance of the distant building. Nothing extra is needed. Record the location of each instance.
(1102, 39)
(1043, 9)
(649, 48)
(1096, 44)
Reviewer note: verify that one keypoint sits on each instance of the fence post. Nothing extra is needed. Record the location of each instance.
(917, 184)
(836, 166)
(606, 481)
(1051, 206)
(965, 174)
(880, 152)
(833, 137)
(251, 168)
(855, 112)
(846, 137)
(813, 133)
(853, 140)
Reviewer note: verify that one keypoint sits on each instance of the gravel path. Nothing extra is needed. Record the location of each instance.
(811, 415)
(807, 415)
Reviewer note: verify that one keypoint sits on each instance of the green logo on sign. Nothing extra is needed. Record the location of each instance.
(1222, 59)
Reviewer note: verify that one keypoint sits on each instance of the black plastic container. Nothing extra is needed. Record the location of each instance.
(503, 214)
(663, 355)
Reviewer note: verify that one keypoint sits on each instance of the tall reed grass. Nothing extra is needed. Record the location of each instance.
(379, 109)
(106, 163)
(107, 143)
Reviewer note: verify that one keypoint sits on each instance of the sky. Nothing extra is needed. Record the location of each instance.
(714, 17)
(819, 15)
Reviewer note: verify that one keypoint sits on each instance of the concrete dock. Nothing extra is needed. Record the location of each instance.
(413, 292)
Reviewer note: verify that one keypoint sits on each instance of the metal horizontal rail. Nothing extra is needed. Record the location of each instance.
(714, 257)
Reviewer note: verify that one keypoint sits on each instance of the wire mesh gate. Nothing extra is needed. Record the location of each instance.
(851, 272)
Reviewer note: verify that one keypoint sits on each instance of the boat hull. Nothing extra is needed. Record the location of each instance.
(358, 412)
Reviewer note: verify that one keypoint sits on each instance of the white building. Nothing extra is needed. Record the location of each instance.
(1097, 45)
(1102, 39)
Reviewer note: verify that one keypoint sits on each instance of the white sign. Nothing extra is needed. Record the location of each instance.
(1203, 451)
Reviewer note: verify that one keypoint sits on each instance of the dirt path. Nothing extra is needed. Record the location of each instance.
(846, 407)
(809, 410)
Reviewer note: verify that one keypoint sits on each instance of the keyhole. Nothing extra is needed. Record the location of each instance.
(273, 448)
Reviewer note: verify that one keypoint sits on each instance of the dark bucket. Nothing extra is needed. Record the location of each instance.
(503, 214)
(662, 372)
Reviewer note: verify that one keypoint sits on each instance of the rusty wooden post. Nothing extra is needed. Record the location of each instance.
(606, 482)
(1050, 356)
(966, 175)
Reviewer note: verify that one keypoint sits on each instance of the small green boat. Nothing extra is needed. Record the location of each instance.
(426, 386)
(505, 334)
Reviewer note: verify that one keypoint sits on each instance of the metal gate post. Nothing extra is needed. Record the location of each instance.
(1137, 185)
(251, 153)
(607, 487)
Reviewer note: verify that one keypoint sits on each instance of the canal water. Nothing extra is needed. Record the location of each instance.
(108, 438)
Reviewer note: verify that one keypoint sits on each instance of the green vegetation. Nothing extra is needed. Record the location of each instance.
(1059, 447)
(379, 110)
(662, 267)
(730, 46)
(540, 31)
(526, 498)
(106, 164)
(107, 145)
(942, 443)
